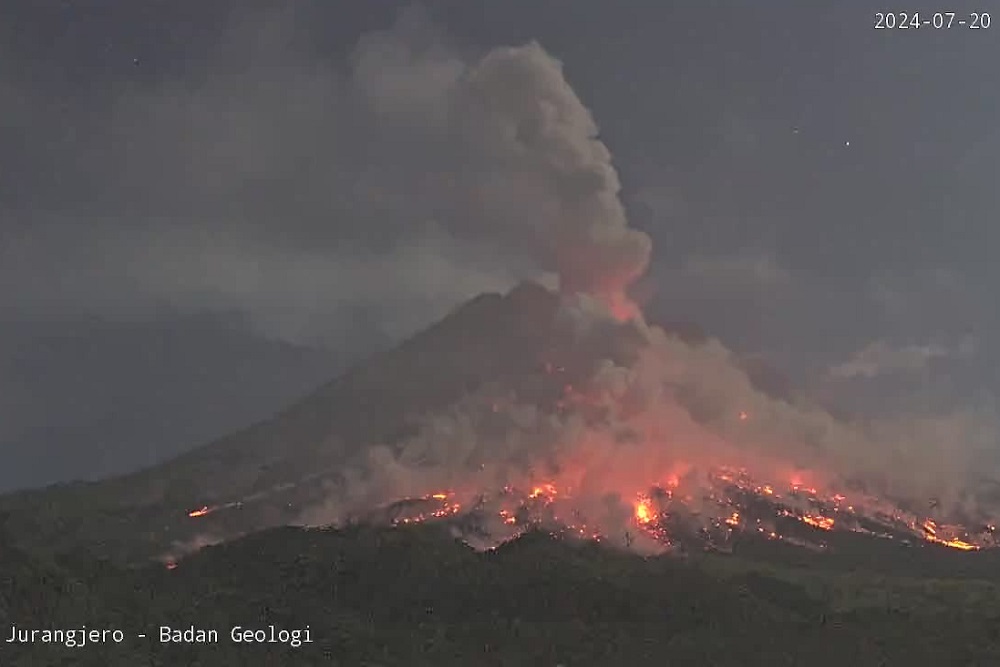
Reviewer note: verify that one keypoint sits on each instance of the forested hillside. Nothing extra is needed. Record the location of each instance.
(415, 596)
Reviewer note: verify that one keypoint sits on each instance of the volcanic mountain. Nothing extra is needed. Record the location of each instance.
(514, 412)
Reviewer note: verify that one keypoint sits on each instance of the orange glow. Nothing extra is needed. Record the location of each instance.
(817, 521)
(799, 488)
(201, 511)
(546, 490)
(621, 307)
(803, 481)
(960, 544)
(748, 496)
(643, 512)
(933, 532)
(446, 511)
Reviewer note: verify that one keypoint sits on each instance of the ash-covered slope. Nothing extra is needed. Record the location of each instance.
(491, 338)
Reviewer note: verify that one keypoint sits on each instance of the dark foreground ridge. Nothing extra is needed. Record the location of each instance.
(416, 596)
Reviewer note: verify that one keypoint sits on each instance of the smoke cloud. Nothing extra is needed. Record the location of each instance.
(668, 417)
(517, 105)
(879, 358)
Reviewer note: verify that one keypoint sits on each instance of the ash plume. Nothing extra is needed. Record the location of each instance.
(325, 201)
(517, 106)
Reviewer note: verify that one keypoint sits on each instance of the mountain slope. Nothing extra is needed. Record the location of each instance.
(88, 399)
(139, 515)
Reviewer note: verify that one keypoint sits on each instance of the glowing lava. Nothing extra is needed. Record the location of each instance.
(543, 491)
(643, 511)
(816, 521)
(701, 503)
(931, 535)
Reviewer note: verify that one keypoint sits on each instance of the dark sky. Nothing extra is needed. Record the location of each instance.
(266, 191)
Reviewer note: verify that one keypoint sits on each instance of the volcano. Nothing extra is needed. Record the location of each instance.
(563, 412)
(515, 413)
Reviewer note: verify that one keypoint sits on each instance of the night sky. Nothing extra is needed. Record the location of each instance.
(206, 209)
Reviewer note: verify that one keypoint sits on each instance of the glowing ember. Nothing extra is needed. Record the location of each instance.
(729, 500)
(959, 544)
(821, 522)
(545, 490)
(643, 511)
(201, 511)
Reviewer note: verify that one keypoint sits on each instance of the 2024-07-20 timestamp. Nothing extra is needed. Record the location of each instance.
(937, 20)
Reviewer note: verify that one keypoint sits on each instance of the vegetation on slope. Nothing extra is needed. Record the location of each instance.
(415, 596)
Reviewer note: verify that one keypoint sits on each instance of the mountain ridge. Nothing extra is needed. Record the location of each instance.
(376, 401)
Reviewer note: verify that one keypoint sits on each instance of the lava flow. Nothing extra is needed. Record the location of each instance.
(673, 514)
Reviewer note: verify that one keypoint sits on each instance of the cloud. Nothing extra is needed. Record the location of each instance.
(741, 272)
(295, 294)
(946, 302)
(880, 358)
